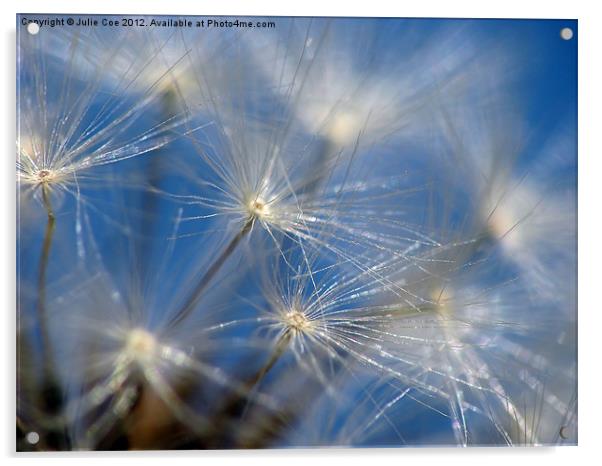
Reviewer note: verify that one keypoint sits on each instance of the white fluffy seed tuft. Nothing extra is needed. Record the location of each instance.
(140, 345)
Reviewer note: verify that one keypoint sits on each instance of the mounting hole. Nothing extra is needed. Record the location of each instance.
(566, 33)
(32, 437)
(33, 28)
(564, 434)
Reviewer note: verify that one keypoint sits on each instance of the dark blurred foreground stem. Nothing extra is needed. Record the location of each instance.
(153, 423)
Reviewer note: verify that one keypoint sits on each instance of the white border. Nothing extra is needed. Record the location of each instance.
(459, 8)
(590, 198)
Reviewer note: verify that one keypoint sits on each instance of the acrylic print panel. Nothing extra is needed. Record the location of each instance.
(295, 232)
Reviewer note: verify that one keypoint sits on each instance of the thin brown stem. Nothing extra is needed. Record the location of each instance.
(46, 246)
(237, 405)
(51, 394)
(211, 272)
(281, 346)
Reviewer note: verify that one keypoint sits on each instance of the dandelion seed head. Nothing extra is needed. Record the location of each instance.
(519, 218)
(344, 127)
(32, 169)
(46, 176)
(257, 207)
(140, 345)
(442, 296)
(500, 224)
(297, 322)
(63, 136)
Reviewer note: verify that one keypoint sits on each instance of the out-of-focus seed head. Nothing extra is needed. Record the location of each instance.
(141, 346)
(443, 297)
(344, 128)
